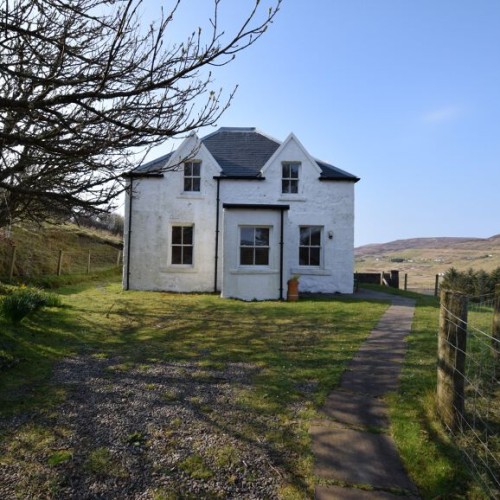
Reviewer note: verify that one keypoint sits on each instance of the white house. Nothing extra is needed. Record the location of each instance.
(239, 212)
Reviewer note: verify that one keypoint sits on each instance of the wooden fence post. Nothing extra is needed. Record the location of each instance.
(496, 328)
(12, 262)
(118, 258)
(436, 286)
(451, 358)
(395, 278)
(59, 263)
(406, 281)
(88, 263)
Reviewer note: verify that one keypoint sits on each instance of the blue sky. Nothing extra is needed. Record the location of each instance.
(402, 93)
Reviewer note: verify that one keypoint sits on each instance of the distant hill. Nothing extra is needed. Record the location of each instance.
(423, 258)
(428, 243)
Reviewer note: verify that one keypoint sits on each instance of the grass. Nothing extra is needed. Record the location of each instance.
(59, 457)
(431, 458)
(196, 467)
(37, 253)
(22, 301)
(225, 456)
(482, 396)
(429, 455)
(299, 351)
(100, 462)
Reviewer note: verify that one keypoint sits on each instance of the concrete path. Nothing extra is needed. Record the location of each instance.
(355, 457)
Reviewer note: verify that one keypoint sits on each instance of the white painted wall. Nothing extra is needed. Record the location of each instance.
(160, 203)
(251, 282)
(157, 205)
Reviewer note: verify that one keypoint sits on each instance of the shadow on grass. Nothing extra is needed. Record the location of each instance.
(297, 351)
(430, 455)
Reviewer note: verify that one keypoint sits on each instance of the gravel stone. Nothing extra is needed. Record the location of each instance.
(165, 429)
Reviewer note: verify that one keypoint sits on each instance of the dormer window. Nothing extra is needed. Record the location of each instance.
(192, 177)
(290, 177)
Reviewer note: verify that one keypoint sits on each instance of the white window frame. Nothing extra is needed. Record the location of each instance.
(320, 247)
(192, 178)
(290, 179)
(254, 246)
(182, 245)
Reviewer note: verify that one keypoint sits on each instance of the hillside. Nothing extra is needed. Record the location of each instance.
(423, 258)
(38, 249)
(429, 243)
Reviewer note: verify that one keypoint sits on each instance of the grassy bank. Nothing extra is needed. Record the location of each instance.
(38, 252)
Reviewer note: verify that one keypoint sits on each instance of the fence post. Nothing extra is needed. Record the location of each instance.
(436, 286)
(12, 262)
(451, 357)
(59, 263)
(395, 278)
(88, 263)
(118, 258)
(496, 329)
(406, 281)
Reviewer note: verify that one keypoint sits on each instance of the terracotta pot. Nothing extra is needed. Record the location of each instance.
(293, 291)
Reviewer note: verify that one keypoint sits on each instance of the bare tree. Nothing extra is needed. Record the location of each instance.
(84, 85)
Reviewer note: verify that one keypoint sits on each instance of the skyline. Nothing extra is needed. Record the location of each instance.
(404, 96)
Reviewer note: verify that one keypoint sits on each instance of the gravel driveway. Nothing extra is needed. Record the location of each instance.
(158, 430)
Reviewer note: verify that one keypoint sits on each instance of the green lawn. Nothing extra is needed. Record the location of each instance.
(299, 351)
(430, 456)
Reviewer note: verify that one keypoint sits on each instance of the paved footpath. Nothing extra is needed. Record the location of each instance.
(355, 457)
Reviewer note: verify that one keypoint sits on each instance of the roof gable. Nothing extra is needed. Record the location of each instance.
(292, 138)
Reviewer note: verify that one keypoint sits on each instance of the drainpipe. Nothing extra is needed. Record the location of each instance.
(127, 286)
(217, 234)
(281, 255)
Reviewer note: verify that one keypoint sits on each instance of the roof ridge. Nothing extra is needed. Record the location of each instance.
(225, 129)
(242, 130)
(237, 129)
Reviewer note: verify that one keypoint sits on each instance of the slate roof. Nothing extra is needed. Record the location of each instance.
(241, 153)
(153, 166)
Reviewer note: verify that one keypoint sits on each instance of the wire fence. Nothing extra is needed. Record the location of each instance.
(419, 283)
(469, 382)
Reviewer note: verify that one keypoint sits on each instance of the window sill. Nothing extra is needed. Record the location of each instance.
(310, 271)
(179, 269)
(292, 198)
(191, 196)
(257, 270)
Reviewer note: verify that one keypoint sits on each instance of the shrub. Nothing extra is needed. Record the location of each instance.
(472, 283)
(7, 359)
(24, 300)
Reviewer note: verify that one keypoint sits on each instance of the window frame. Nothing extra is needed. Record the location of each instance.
(288, 179)
(182, 245)
(318, 248)
(254, 247)
(191, 180)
